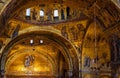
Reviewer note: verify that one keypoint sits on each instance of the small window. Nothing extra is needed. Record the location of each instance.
(28, 12)
(31, 41)
(55, 13)
(41, 41)
(41, 13)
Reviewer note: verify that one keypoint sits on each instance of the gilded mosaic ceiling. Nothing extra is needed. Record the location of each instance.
(85, 26)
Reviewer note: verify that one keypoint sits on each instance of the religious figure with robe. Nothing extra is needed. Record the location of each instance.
(29, 60)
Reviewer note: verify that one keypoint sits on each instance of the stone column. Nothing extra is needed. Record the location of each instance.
(2, 74)
(70, 73)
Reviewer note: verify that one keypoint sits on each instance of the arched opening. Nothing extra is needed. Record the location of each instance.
(62, 14)
(96, 52)
(24, 56)
(68, 12)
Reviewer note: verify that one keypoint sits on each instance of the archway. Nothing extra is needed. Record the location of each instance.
(67, 50)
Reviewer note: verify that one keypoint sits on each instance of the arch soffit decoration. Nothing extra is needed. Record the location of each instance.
(53, 35)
